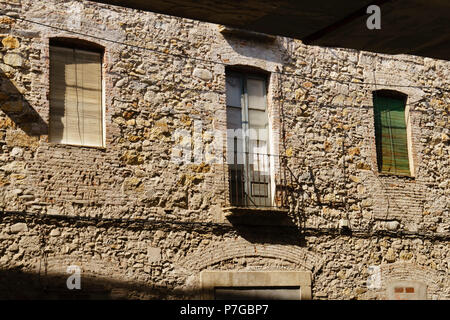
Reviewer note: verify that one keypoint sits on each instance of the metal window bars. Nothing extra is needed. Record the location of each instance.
(257, 180)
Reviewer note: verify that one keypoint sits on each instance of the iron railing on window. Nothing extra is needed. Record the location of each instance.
(257, 180)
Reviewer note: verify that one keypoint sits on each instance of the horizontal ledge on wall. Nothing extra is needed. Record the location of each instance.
(154, 223)
(245, 34)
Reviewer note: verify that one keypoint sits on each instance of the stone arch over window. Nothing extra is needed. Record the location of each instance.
(78, 43)
(215, 266)
(391, 93)
(248, 68)
(410, 280)
(212, 256)
(431, 280)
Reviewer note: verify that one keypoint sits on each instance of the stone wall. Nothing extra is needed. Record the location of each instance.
(141, 225)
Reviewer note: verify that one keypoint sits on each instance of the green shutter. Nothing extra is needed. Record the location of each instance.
(391, 136)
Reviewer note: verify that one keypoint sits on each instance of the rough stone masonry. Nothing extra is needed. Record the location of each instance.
(140, 225)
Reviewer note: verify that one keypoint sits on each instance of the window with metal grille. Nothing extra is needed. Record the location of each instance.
(76, 113)
(391, 132)
(250, 164)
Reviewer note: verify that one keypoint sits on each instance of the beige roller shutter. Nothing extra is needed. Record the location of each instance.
(75, 97)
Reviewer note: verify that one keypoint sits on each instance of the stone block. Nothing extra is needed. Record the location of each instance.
(55, 233)
(13, 59)
(19, 227)
(153, 254)
(202, 74)
(10, 42)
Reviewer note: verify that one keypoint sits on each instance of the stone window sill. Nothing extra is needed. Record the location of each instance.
(395, 175)
(61, 145)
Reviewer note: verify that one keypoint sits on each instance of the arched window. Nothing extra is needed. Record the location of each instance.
(76, 111)
(391, 132)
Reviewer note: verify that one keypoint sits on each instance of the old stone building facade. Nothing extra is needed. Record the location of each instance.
(148, 212)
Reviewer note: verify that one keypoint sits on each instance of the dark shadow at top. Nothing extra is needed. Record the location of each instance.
(267, 227)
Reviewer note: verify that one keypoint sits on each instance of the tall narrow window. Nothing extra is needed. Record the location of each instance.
(248, 143)
(76, 113)
(391, 133)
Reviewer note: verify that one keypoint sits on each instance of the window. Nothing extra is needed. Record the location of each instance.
(76, 113)
(256, 285)
(406, 290)
(248, 140)
(391, 133)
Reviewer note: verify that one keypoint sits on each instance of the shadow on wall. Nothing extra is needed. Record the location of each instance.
(267, 228)
(19, 285)
(17, 108)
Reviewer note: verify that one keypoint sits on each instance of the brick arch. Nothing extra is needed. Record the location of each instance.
(411, 271)
(231, 249)
(437, 282)
(77, 42)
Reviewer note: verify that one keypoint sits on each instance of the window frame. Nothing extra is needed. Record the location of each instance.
(244, 75)
(82, 45)
(402, 98)
(212, 279)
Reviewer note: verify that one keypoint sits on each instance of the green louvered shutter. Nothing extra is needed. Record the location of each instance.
(391, 136)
